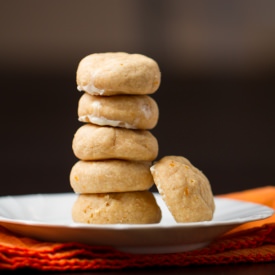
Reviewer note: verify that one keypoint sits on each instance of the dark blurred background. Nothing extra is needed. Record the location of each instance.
(216, 98)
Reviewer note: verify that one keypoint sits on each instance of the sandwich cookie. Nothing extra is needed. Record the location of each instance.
(117, 73)
(93, 142)
(185, 189)
(127, 111)
(110, 176)
(116, 208)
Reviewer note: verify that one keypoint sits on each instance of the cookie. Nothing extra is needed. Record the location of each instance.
(127, 111)
(117, 73)
(92, 142)
(185, 189)
(116, 208)
(110, 176)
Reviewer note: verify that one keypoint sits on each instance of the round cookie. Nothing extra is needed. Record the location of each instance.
(127, 111)
(117, 73)
(92, 142)
(110, 176)
(185, 189)
(113, 208)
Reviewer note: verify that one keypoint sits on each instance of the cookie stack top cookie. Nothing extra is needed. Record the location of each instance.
(118, 73)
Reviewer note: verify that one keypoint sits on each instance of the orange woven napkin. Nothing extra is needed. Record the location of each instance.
(252, 242)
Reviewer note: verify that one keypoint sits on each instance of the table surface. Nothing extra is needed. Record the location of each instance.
(236, 269)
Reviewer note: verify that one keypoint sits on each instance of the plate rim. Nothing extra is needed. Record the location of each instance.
(268, 213)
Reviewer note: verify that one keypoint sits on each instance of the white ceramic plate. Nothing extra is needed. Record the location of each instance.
(48, 217)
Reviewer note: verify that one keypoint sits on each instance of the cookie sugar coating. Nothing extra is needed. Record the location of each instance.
(92, 142)
(117, 73)
(126, 111)
(113, 208)
(185, 189)
(110, 176)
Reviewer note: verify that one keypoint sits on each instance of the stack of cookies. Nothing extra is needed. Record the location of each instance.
(114, 145)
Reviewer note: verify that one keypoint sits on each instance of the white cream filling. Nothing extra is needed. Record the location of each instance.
(91, 89)
(104, 121)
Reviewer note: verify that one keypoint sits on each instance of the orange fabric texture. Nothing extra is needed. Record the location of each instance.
(253, 242)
